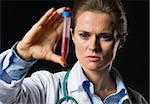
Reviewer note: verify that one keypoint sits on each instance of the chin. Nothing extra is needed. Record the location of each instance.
(93, 66)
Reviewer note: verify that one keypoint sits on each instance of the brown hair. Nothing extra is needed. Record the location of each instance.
(112, 7)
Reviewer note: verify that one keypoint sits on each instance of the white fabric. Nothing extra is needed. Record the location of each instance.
(44, 87)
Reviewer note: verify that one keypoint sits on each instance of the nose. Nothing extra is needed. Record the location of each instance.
(95, 44)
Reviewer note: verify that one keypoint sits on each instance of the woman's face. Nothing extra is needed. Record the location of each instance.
(93, 39)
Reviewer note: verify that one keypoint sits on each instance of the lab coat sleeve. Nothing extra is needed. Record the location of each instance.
(13, 65)
(12, 72)
(41, 88)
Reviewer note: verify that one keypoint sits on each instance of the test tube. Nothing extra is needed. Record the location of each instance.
(66, 34)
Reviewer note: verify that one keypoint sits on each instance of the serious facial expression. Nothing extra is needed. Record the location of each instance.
(93, 39)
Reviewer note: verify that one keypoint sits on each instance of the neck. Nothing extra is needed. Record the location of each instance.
(104, 85)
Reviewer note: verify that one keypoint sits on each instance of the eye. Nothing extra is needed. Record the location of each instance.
(84, 35)
(106, 36)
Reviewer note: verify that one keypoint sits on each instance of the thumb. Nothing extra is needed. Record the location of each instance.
(57, 59)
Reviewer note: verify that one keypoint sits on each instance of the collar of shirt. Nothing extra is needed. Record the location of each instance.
(77, 77)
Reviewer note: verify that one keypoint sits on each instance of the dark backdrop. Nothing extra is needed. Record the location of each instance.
(17, 17)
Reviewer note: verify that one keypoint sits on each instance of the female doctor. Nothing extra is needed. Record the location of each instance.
(99, 30)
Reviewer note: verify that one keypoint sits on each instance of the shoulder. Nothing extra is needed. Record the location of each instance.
(136, 97)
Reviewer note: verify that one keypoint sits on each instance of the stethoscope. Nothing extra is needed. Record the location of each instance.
(85, 86)
(65, 96)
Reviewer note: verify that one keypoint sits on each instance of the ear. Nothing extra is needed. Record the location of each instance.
(72, 34)
(116, 47)
(117, 41)
(73, 38)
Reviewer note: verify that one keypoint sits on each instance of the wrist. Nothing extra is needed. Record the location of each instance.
(22, 54)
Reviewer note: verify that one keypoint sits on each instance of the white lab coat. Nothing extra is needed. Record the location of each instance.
(42, 87)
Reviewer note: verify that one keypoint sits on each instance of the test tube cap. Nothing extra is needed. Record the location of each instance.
(66, 14)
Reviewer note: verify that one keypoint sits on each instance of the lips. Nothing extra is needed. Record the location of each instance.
(93, 58)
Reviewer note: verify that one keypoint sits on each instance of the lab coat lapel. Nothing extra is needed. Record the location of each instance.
(74, 85)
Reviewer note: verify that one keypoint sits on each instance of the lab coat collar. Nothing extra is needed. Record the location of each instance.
(118, 78)
(74, 84)
(76, 78)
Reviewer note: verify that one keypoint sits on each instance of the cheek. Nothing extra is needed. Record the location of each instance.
(79, 51)
(107, 49)
(80, 46)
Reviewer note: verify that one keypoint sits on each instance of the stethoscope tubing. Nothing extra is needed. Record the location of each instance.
(66, 97)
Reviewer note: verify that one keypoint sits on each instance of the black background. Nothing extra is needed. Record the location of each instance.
(17, 17)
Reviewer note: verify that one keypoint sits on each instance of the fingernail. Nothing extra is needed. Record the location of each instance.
(65, 65)
(68, 8)
(53, 8)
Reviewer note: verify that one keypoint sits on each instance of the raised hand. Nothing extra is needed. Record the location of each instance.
(41, 40)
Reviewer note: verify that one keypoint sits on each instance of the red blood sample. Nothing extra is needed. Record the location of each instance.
(64, 47)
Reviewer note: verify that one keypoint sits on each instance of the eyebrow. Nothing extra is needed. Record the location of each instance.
(98, 33)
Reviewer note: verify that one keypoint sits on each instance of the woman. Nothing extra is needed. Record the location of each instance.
(99, 30)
